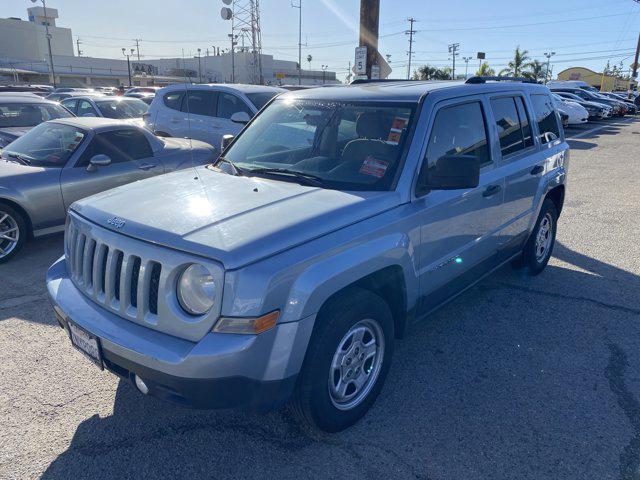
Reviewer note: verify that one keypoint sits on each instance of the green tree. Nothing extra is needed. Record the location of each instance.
(516, 66)
(485, 70)
(427, 72)
(536, 70)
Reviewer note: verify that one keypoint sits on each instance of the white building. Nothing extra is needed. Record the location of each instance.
(24, 59)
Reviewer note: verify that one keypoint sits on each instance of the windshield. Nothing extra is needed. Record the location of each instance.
(122, 108)
(47, 145)
(261, 99)
(344, 146)
(30, 114)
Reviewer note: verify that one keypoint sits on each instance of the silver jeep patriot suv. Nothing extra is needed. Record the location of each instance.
(335, 220)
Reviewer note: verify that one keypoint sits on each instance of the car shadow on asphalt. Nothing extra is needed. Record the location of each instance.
(580, 145)
(466, 381)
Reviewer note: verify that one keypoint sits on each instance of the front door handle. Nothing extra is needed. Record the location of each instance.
(537, 170)
(147, 166)
(491, 190)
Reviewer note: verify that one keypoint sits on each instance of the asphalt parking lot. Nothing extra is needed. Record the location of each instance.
(517, 378)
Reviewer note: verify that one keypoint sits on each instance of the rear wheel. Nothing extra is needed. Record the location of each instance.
(13, 232)
(539, 247)
(346, 363)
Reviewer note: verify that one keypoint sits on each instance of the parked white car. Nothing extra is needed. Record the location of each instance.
(206, 111)
(576, 112)
(107, 106)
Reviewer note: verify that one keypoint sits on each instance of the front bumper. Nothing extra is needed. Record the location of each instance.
(219, 371)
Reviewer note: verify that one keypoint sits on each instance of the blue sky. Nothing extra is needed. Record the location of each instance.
(581, 32)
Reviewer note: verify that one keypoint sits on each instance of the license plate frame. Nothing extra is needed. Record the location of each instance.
(83, 341)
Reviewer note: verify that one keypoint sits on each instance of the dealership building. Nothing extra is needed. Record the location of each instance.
(24, 58)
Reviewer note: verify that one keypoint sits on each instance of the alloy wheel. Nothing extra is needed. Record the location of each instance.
(9, 234)
(544, 237)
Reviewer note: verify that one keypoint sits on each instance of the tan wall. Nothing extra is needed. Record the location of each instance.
(607, 83)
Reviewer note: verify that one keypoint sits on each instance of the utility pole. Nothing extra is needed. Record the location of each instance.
(78, 42)
(410, 32)
(466, 68)
(48, 35)
(369, 25)
(348, 78)
(548, 55)
(453, 50)
(124, 52)
(324, 69)
(299, 6)
(634, 73)
(138, 40)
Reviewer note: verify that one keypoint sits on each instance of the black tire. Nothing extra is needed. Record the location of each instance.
(312, 403)
(532, 261)
(13, 219)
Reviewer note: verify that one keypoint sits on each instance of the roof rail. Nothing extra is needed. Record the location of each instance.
(380, 80)
(499, 79)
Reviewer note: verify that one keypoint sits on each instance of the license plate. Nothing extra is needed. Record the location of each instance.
(86, 342)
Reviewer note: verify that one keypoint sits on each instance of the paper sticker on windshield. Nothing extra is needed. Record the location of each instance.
(399, 123)
(374, 167)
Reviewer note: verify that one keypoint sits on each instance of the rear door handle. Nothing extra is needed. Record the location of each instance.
(147, 166)
(491, 190)
(537, 170)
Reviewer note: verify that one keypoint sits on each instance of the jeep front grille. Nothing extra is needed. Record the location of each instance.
(113, 277)
(135, 279)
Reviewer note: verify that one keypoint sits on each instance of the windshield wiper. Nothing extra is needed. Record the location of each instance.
(23, 160)
(306, 178)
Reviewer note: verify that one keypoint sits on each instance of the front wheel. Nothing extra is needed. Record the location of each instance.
(346, 363)
(13, 232)
(539, 247)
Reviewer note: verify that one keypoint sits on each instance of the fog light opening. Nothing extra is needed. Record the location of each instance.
(141, 385)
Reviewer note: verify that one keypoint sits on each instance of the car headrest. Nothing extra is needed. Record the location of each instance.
(373, 125)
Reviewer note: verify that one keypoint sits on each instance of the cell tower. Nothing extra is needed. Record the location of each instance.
(246, 36)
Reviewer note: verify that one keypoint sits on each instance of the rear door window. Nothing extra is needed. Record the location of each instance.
(545, 117)
(512, 122)
(459, 130)
(200, 102)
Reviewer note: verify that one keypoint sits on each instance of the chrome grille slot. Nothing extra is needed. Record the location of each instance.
(133, 279)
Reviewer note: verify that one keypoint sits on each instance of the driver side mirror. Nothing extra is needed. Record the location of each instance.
(98, 161)
(240, 117)
(226, 141)
(451, 172)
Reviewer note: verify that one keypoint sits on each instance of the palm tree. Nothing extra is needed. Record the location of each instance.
(517, 65)
(537, 70)
(427, 72)
(485, 70)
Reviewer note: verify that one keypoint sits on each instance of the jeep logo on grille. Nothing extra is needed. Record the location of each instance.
(116, 222)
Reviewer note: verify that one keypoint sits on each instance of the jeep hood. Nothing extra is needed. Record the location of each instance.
(235, 220)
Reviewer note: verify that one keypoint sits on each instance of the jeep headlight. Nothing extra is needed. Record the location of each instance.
(196, 290)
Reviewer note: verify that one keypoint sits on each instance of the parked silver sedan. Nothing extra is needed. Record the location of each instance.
(61, 161)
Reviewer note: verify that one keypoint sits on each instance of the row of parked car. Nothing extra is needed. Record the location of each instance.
(578, 102)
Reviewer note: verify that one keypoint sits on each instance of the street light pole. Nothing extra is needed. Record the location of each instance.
(466, 68)
(233, 58)
(48, 35)
(299, 6)
(324, 69)
(199, 67)
(548, 55)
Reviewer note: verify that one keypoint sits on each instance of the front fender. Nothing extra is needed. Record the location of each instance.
(323, 279)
